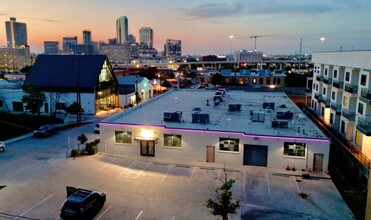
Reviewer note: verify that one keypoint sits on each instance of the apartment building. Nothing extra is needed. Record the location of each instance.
(341, 94)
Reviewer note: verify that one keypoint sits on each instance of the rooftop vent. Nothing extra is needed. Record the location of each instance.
(173, 116)
(257, 116)
(280, 123)
(285, 115)
(196, 109)
(200, 117)
(269, 105)
(234, 107)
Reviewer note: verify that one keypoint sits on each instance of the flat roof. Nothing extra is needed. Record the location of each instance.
(151, 113)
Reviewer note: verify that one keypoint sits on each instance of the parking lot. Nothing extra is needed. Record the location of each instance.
(35, 172)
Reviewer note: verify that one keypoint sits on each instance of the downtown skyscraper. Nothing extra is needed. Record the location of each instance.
(146, 37)
(16, 33)
(122, 29)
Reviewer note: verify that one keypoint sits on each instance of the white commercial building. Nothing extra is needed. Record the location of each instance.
(249, 128)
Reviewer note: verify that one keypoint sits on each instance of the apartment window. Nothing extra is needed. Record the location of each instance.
(293, 149)
(274, 81)
(278, 81)
(361, 108)
(123, 137)
(229, 144)
(325, 71)
(323, 111)
(333, 95)
(331, 118)
(335, 74)
(342, 127)
(345, 101)
(261, 81)
(317, 87)
(314, 86)
(363, 80)
(268, 81)
(347, 76)
(172, 140)
(324, 91)
(253, 80)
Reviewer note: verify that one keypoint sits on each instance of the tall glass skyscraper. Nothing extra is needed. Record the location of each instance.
(86, 36)
(16, 33)
(122, 29)
(173, 48)
(146, 37)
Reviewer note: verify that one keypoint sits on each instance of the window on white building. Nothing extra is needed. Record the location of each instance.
(324, 91)
(363, 80)
(361, 108)
(172, 140)
(347, 76)
(294, 149)
(123, 137)
(325, 71)
(335, 74)
(229, 144)
(333, 95)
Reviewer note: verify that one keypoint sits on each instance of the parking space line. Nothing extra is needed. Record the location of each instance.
(141, 172)
(105, 211)
(269, 187)
(141, 212)
(168, 170)
(190, 179)
(296, 184)
(37, 204)
(107, 164)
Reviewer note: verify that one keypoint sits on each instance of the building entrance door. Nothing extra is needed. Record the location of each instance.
(210, 154)
(147, 148)
(318, 163)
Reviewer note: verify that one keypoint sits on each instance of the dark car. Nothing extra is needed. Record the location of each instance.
(83, 204)
(45, 131)
(96, 128)
(2, 147)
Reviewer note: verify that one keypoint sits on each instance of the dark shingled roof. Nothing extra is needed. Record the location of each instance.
(59, 73)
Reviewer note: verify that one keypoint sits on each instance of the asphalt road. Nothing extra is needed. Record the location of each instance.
(35, 173)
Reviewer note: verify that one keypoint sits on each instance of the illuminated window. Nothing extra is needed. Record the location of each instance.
(229, 144)
(172, 140)
(294, 149)
(123, 137)
(345, 101)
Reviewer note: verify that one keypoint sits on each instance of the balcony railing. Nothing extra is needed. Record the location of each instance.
(319, 78)
(364, 126)
(349, 115)
(308, 90)
(327, 81)
(318, 97)
(351, 88)
(335, 107)
(338, 84)
(365, 93)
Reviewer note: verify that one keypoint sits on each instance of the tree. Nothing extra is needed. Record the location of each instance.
(75, 108)
(82, 139)
(34, 98)
(53, 101)
(223, 204)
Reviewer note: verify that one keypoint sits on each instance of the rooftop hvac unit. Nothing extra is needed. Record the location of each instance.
(196, 109)
(218, 97)
(234, 107)
(201, 118)
(219, 93)
(258, 116)
(285, 115)
(280, 124)
(269, 105)
(173, 116)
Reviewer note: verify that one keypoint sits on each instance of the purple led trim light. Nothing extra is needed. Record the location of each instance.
(218, 132)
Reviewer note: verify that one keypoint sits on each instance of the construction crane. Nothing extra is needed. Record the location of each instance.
(256, 36)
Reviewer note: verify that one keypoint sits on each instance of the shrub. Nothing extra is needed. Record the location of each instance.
(93, 150)
(75, 152)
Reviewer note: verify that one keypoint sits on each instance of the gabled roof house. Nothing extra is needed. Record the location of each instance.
(91, 76)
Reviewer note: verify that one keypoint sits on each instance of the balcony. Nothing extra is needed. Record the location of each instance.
(338, 84)
(351, 88)
(365, 96)
(364, 126)
(327, 81)
(319, 78)
(326, 102)
(336, 108)
(349, 115)
(318, 97)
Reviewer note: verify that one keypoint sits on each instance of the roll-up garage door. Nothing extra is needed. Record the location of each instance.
(256, 155)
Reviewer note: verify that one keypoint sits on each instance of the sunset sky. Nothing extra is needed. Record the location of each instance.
(203, 26)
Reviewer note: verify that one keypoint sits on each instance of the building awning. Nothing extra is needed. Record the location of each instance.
(140, 138)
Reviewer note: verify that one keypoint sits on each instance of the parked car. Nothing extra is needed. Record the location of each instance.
(2, 147)
(82, 204)
(45, 131)
(96, 128)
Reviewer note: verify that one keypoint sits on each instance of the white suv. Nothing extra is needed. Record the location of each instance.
(2, 147)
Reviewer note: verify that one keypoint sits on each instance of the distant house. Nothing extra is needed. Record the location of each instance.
(128, 85)
(62, 77)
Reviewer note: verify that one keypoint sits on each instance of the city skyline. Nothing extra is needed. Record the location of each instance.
(203, 28)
